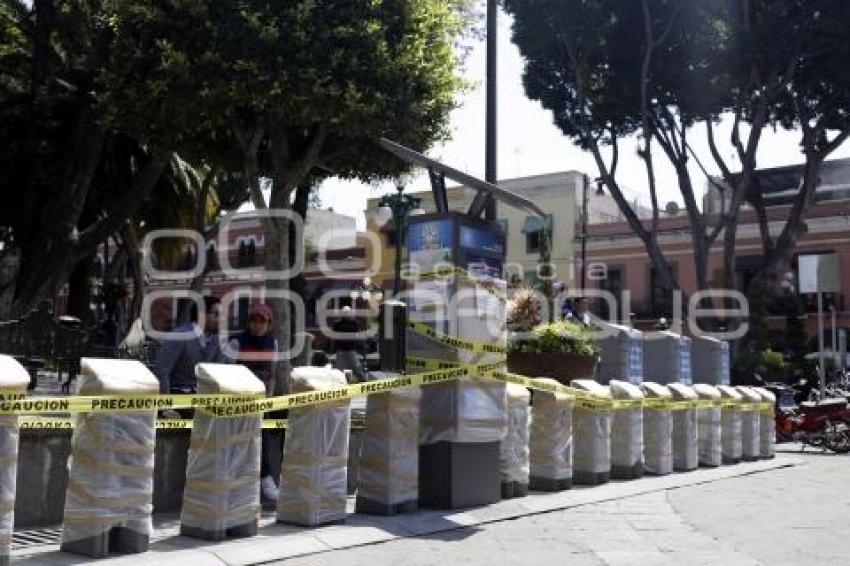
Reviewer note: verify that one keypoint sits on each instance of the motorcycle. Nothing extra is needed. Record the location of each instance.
(824, 424)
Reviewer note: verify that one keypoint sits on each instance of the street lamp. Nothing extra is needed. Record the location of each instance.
(398, 206)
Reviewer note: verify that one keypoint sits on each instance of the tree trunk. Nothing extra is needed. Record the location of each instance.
(80, 291)
(299, 282)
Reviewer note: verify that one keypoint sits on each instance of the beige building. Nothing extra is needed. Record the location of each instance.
(560, 194)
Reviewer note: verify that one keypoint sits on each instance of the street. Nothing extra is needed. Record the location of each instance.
(795, 515)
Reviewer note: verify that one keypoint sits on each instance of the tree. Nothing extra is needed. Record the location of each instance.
(657, 69)
(302, 90)
(75, 165)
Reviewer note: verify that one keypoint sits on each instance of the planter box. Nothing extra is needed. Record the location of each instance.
(563, 368)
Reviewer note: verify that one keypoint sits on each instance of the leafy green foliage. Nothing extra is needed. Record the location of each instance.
(560, 337)
(364, 69)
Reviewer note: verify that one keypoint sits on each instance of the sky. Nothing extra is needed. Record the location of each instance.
(530, 144)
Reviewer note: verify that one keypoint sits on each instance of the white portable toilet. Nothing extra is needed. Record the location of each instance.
(710, 360)
(750, 427)
(620, 354)
(657, 429)
(730, 419)
(767, 423)
(591, 435)
(14, 380)
(685, 439)
(709, 425)
(626, 431)
(667, 358)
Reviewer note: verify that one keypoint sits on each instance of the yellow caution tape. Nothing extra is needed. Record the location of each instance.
(452, 342)
(161, 424)
(429, 364)
(118, 403)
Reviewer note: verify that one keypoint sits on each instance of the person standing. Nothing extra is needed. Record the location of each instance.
(256, 347)
(176, 357)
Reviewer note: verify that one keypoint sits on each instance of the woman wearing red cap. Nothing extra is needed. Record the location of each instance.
(257, 347)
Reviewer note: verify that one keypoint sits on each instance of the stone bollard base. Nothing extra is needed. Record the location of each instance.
(370, 507)
(120, 540)
(240, 531)
(511, 489)
(549, 484)
(453, 475)
(632, 472)
(591, 478)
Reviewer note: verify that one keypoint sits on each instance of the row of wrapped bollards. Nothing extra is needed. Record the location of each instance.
(656, 429)
(551, 442)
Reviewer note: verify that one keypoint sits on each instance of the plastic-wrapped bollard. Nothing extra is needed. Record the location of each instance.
(750, 427)
(388, 479)
(551, 440)
(685, 438)
(513, 449)
(730, 422)
(108, 502)
(314, 473)
(591, 435)
(221, 498)
(14, 380)
(626, 432)
(708, 425)
(657, 429)
(767, 423)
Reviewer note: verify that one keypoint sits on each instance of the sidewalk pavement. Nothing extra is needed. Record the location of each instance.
(646, 512)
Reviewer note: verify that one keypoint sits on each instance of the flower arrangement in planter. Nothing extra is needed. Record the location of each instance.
(562, 350)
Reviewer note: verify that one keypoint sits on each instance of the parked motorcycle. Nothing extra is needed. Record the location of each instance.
(824, 424)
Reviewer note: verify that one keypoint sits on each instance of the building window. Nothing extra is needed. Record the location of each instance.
(613, 283)
(247, 253)
(533, 228)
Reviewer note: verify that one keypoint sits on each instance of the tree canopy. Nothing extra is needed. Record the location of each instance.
(666, 70)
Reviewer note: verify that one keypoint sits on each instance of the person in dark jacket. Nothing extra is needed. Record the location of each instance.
(256, 347)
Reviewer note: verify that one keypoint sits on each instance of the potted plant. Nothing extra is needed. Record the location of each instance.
(561, 350)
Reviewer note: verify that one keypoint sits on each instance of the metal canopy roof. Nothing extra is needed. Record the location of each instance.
(436, 168)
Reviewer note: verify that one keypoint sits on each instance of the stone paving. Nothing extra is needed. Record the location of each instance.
(631, 522)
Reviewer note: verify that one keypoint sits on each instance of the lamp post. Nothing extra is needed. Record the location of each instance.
(398, 206)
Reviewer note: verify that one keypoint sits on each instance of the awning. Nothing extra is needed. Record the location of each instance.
(534, 224)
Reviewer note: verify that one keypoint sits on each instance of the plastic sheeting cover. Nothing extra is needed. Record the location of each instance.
(313, 477)
(685, 436)
(767, 425)
(621, 354)
(110, 480)
(750, 426)
(709, 426)
(731, 424)
(13, 381)
(657, 432)
(626, 427)
(514, 455)
(591, 433)
(223, 466)
(666, 358)
(551, 437)
(389, 447)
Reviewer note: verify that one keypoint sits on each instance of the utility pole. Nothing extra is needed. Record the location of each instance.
(491, 136)
(585, 182)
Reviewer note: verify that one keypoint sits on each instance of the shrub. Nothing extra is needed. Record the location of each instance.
(562, 337)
